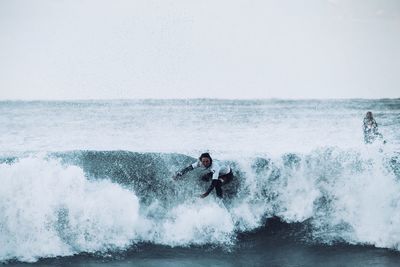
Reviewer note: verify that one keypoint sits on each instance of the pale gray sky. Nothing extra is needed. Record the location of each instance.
(97, 49)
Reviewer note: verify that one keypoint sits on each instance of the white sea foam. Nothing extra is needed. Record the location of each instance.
(48, 210)
(198, 223)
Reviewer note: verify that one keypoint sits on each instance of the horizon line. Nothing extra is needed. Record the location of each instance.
(189, 98)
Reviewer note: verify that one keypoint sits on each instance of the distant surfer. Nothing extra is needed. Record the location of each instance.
(219, 174)
(370, 129)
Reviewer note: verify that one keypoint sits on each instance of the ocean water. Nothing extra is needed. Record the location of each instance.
(89, 183)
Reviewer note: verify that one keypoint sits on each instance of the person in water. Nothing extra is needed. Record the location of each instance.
(219, 174)
(370, 129)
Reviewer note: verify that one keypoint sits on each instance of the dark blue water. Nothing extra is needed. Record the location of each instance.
(280, 245)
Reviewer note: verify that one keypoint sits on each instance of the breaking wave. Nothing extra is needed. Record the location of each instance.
(75, 202)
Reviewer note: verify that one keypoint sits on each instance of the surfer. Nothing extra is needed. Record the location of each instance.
(219, 174)
(370, 129)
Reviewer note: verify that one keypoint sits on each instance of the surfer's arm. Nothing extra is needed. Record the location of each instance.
(210, 188)
(186, 169)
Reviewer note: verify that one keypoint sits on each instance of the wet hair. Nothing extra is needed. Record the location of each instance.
(205, 155)
(369, 114)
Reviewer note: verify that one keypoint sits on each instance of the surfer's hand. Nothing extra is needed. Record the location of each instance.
(203, 195)
(177, 175)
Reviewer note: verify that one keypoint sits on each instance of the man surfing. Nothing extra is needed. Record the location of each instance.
(219, 174)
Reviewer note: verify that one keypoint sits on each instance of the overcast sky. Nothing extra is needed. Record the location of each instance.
(93, 49)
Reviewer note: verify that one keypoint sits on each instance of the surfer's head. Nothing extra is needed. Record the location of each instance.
(205, 159)
(369, 115)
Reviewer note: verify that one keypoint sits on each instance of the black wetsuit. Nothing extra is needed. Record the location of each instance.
(218, 174)
(222, 180)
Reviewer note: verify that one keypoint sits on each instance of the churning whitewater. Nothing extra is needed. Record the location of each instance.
(78, 183)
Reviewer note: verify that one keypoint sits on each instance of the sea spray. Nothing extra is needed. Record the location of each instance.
(49, 210)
